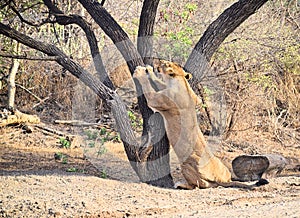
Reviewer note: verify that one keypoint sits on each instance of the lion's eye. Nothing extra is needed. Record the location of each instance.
(172, 74)
(188, 76)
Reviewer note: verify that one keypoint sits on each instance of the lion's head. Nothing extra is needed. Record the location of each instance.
(175, 77)
(171, 72)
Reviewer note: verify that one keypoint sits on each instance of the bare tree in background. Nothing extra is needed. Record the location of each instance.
(11, 78)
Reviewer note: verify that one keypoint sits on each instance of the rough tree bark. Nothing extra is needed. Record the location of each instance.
(152, 161)
(145, 33)
(155, 126)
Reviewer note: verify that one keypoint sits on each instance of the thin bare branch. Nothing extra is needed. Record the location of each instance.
(26, 21)
(4, 5)
(30, 92)
(25, 57)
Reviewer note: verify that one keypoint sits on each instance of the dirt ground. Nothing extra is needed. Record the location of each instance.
(39, 178)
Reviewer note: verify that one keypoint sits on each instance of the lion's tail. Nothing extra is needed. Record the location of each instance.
(237, 184)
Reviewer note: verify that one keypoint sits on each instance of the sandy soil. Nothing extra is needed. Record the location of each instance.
(36, 184)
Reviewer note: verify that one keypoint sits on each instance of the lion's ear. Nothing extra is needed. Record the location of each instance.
(188, 76)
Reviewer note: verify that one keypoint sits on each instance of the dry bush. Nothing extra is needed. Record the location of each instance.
(259, 67)
(48, 90)
(44, 89)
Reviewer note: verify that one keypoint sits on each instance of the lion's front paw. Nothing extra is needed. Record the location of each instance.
(139, 72)
(150, 72)
(149, 69)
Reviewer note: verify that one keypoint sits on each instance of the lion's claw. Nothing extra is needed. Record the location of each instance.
(139, 71)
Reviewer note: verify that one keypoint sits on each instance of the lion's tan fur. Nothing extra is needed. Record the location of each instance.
(176, 102)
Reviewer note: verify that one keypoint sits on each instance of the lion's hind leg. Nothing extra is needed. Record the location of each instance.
(192, 175)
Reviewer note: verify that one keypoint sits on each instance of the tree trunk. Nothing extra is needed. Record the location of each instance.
(148, 171)
(146, 27)
(154, 124)
(152, 159)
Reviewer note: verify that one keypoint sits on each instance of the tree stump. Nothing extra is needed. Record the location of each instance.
(254, 167)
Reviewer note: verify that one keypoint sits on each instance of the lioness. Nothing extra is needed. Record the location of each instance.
(172, 96)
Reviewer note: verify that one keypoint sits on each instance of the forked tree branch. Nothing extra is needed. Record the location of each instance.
(114, 32)
(229, 20)
(63, 19)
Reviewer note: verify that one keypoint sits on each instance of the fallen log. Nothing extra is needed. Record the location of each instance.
(16, 117)
(255, 167)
